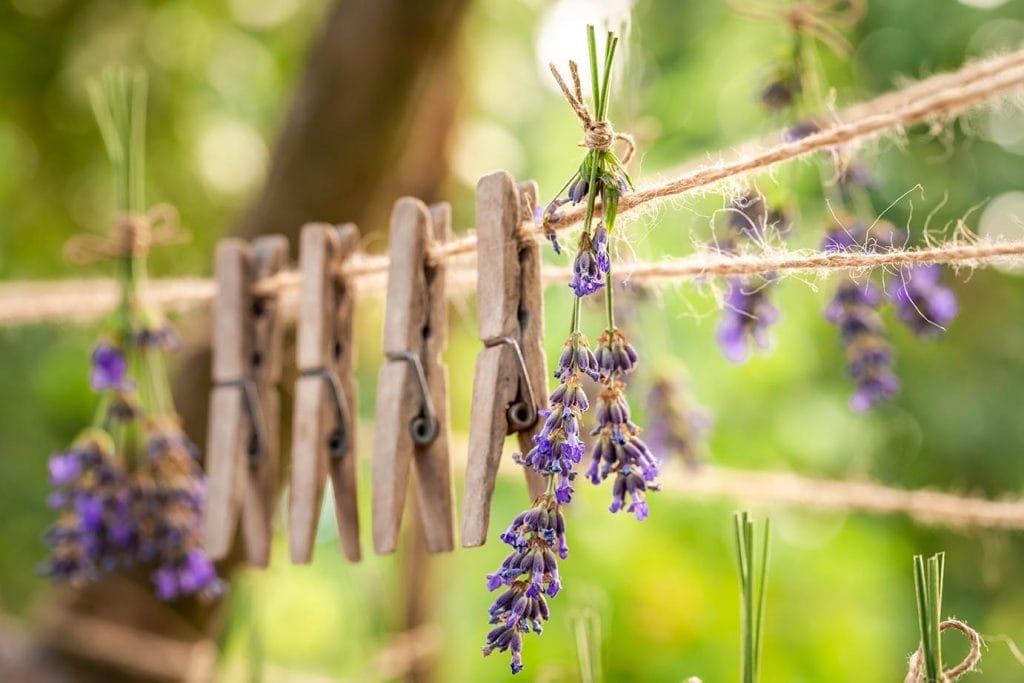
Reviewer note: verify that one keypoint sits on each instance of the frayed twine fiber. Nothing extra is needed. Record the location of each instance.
(916, 673)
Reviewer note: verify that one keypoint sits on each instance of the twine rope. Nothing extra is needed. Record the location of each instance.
(82, 300)
(132, 234)
(916, 673)
(939, 96)
(597, 134)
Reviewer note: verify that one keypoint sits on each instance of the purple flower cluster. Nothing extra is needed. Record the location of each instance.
(675, 426)
(618, 449)
(171, 493)
(109, 369)
(591, 263)
(122, 510)
(95, 528)
(853, 310)
(748, 311)
(922, 303)
(746, 318)
(528, 573)
(558, 447)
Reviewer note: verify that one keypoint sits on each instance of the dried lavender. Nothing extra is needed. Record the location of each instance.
(529, 574)
(130, 491)
(854, 311)
(922, 303)
(748, 312)
(676, 426)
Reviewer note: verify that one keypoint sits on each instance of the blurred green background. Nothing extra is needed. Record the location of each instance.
(841, 601)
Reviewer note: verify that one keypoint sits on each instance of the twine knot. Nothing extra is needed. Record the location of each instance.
(821, 19)
(597, 133)
(132, 234)
(916, 672)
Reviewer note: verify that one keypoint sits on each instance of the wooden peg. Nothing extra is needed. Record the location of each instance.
(324, 424)
(510, 382)
(412, 394)
(242, 449)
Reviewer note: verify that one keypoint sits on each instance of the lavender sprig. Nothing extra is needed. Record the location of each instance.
(529, 573)
(748, 312)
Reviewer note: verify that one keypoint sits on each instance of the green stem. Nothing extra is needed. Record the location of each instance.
(609, 300)
(588, 217)
(594, 83)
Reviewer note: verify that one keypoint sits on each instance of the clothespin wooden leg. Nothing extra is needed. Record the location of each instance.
(229, 433)
(508, 388)
(412, 402)
(433, 464)
(242, 445)
(269, 256)
(324, 424)
(400, 396)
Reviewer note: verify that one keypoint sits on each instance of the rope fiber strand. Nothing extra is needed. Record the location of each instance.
(83, 300)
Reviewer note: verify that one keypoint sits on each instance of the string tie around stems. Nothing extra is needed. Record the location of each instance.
(820, 19)
(132, 234)
(916, 672)
(598, 134)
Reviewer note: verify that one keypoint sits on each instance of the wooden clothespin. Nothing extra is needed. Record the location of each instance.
(242, 447)
(511, 380)
(324, 424)
(412, 388)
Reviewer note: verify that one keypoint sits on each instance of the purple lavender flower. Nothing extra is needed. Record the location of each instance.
(853, 310)
(109, 368)
(163, 337)
(619, 450)
(615, 355)
(800, 131)
(922, 303)
(781, 89)
(528, 573)
(604, 264)
(93, 533)
(675, 426)
(746, 318)
(169, 496)
(558, 446)
(587, 275)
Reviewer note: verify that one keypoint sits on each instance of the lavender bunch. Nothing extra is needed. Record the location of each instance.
(130, 491)
(537, 536)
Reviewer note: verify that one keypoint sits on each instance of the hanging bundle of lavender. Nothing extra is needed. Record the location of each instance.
(529, 574)
(129, 491)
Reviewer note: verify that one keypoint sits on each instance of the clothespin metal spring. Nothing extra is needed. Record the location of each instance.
(337, 440)
(522, 414)
(423, 427)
